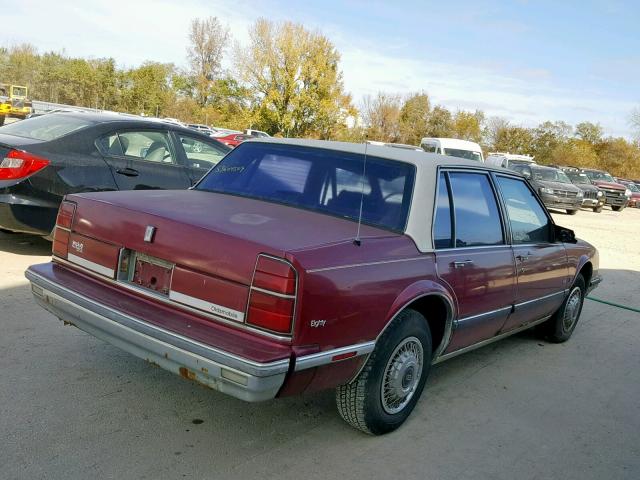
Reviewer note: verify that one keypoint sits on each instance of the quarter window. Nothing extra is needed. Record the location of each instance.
(528, 220)
(477, 219)
(200, 154)
(442, 223)
(109, 145)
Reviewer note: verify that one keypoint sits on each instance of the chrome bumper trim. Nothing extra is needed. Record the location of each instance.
(326, 357)
(222, 371)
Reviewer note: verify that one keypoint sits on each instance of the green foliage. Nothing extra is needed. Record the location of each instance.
(294, 78)
(414, 118)
(513, 139)
(287, 81)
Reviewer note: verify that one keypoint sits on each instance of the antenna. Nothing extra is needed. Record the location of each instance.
(357, 241)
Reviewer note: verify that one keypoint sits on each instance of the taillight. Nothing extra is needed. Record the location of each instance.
(273, 295)
(63, 228)
(65, 214)
(20, 164)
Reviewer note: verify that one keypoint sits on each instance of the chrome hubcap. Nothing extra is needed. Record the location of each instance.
(572, 310)
(402, 375)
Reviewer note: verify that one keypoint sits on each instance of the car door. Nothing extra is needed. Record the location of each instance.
(199, 155)
(143, 159)
(472, 255)
(541, 263)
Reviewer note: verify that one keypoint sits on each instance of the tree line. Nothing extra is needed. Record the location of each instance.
(287, 81)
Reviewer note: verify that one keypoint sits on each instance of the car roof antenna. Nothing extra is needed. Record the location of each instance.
(357, 241)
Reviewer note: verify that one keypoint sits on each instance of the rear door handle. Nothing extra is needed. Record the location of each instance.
(129, 172)
(462, 264)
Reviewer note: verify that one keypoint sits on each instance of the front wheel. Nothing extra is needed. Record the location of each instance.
(561, 325)
(387, 389)
(572, 212)
(617, 208)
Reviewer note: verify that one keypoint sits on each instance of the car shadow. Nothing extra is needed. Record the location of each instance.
(24, 244)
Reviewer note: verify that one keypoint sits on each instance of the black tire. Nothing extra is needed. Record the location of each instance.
(597, 209)
(572, 212)
(361, 403)
(561, 325)
(617, 208)
(1, 120)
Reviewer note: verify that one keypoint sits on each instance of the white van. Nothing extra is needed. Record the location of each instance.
(453, 147)
(508, 160)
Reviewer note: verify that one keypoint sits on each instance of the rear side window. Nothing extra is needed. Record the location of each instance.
(150, 146)
(322, 180)
(46, 127)
(477, 218)
(529, 223)
(442, 222)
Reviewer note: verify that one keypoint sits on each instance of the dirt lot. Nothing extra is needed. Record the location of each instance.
(73, 407)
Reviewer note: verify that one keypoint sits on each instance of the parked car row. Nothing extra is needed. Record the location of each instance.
(560, 187)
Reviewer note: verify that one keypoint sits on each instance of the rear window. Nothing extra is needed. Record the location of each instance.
(47, 127)
(325, 181)
(468, 154)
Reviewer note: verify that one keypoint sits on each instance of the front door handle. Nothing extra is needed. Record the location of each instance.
(129, 172)
(522, 258)
(462, 264)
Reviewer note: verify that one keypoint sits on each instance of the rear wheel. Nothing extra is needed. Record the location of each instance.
(617, 208)
(383, 395)
(572, 212)
(561, 325)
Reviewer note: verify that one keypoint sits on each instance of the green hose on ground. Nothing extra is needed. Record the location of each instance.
(625, 307)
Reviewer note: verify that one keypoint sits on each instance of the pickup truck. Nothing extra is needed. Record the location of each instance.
(299, 265)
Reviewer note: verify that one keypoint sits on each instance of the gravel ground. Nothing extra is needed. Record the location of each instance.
(73, 407)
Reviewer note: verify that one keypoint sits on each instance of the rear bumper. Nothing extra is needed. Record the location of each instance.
(26, 215)
(230, 374)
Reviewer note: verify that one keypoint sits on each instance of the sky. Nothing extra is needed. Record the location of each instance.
(527, 61)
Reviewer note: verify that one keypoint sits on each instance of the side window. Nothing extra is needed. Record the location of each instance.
(149, 146)
(476, 211)
(200, 154)
(109, 145)
(529, 223)
(429, 147)
(442, 220)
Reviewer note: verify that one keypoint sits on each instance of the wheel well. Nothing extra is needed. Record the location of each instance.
(587, 272)
(436, 310)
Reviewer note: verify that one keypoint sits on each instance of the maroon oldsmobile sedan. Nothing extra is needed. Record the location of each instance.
(295, 266)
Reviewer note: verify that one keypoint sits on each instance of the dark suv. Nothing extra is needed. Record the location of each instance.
(553, 186)
(593, 197)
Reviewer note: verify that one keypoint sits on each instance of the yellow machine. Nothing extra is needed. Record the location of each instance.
(14, 102)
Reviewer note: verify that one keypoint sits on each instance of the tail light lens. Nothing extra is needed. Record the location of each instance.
(19, 164)
(64, 220)
(273, 295)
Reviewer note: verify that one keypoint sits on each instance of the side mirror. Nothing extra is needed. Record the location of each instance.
(564, 235)
(526, 173)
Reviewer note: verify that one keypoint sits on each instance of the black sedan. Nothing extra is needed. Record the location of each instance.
(47, 157)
